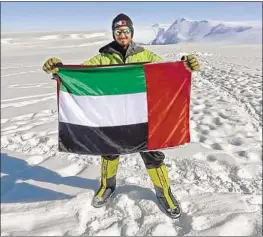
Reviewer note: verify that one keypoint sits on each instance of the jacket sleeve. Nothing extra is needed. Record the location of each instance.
(96, 60)
(152, 57)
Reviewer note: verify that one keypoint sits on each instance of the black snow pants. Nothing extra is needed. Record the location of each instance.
(151, 159)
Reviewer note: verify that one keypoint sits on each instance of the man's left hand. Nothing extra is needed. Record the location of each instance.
(190, 63)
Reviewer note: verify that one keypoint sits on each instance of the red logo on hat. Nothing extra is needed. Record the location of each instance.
(120, 23)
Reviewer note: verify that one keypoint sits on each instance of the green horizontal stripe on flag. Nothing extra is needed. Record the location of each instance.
(103, 80)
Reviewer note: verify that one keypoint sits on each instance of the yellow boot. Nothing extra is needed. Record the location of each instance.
(108, 181)
(159, 177)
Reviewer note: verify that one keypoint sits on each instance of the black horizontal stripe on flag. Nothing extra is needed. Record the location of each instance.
(123, 139)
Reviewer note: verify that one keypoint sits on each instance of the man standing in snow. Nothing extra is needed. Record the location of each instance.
(122, 51)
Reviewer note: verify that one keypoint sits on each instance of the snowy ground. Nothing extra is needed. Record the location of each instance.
(217, 177)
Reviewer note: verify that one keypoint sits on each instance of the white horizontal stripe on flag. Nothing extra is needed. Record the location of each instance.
(103, 111)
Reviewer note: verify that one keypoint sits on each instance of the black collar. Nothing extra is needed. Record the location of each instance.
(113, 47)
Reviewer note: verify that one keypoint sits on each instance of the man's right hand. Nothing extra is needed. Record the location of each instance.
(50, 65)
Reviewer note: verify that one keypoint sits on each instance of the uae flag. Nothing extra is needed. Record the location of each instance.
(123, 108)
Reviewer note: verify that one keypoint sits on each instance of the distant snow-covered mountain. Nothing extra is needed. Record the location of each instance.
(182, 30)
(185, 30)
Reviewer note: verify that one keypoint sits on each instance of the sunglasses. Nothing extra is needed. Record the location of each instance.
(125, 31)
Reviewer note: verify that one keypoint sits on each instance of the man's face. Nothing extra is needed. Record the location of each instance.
(123, 35)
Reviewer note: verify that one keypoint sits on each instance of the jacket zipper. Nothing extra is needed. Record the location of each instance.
(121, 58)
(123, 62)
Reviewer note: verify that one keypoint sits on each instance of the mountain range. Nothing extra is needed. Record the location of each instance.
(185, 30)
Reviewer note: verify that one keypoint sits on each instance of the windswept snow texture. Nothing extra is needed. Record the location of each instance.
(184, 30)
(217, 177)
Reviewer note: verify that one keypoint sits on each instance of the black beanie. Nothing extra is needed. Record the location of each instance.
(122, 20)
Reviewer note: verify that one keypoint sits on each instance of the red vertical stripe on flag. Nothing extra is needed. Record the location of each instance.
(58, 88)
(168, 95)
